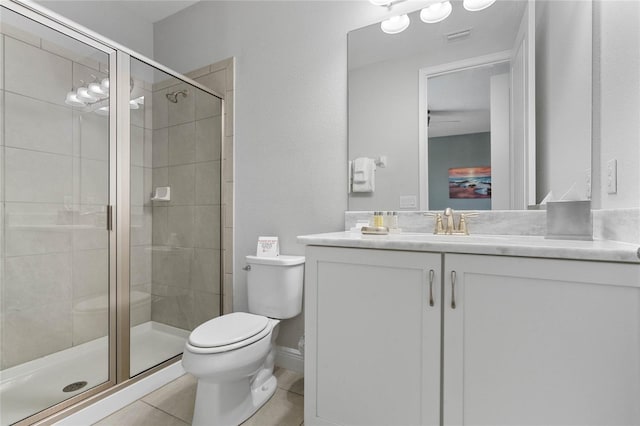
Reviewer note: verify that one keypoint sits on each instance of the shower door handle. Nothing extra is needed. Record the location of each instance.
(109, 218)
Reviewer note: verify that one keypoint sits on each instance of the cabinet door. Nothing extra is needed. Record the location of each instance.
(373, 337)
(540, 342)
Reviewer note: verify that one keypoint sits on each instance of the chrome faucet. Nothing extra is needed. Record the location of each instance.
(450, 228)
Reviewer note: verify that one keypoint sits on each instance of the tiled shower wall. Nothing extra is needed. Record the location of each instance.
(54, 192)
(186, 230)
(220, 77)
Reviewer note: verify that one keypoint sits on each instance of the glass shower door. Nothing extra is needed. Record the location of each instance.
(54, 243)
(176, 145)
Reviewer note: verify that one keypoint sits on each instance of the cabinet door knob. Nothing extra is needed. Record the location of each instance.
(432, 274)
(453, 289)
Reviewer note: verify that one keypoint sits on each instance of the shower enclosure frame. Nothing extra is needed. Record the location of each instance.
(118, 209)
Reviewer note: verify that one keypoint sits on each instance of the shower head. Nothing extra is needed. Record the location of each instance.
(173, 96)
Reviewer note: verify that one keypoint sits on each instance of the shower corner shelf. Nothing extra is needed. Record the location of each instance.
(162, 193)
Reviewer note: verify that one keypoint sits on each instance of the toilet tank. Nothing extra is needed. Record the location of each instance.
(274, 285)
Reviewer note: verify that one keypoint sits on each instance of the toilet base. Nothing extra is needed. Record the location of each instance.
(262, 394)
(225, 405)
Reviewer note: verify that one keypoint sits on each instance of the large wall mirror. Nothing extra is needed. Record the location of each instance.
(484, 110)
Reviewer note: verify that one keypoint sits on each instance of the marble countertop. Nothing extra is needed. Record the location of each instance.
(504, 245)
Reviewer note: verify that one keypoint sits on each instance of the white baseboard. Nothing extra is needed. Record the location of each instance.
(289, 358)
(118, 400)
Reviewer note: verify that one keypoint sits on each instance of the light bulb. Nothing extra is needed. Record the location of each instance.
(476, 5)
(95, 89)
(72, 99)
(395, 24)
(85, 96)
(436, 12)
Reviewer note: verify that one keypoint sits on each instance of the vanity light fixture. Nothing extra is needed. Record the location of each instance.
(436, 12)
(477, 5)
(395, 24)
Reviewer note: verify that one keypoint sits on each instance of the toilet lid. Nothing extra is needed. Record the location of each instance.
(227, 329)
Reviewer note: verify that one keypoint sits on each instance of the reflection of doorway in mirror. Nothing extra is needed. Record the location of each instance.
(486, 98)
(468, 122)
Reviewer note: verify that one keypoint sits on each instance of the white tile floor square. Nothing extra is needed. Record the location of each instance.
(172, 405)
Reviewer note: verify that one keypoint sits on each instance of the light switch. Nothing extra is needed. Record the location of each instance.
(612, 176)
(588, 184)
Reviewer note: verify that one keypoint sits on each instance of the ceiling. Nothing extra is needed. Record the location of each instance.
(155, 10)
(459, 101)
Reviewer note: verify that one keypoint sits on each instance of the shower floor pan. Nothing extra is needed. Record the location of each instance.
(35, 385)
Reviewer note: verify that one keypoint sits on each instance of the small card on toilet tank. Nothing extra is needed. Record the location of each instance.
(268, 247)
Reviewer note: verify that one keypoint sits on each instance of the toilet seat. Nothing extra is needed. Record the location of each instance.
(228, 332)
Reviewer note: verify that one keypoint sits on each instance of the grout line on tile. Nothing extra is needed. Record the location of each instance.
(160, 409)
(294, 392)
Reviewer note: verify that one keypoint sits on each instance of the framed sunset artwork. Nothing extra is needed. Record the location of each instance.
(470, 182)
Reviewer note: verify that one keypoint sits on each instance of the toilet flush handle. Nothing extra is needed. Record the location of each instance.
(247, 268)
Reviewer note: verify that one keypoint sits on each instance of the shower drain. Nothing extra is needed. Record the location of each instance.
(74, 386)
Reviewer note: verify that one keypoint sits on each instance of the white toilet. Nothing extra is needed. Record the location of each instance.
(232, 356)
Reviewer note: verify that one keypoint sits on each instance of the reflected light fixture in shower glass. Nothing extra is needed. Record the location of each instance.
(98, 91)
(72, 100)
(84, 95)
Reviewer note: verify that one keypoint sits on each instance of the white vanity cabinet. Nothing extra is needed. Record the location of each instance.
(540, 341)
(524, 340)
(373, 351)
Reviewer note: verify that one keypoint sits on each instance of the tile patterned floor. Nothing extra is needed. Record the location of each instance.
(172, 405)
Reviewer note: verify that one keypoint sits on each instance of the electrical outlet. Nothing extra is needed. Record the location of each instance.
(612, 176)
(408, 202)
